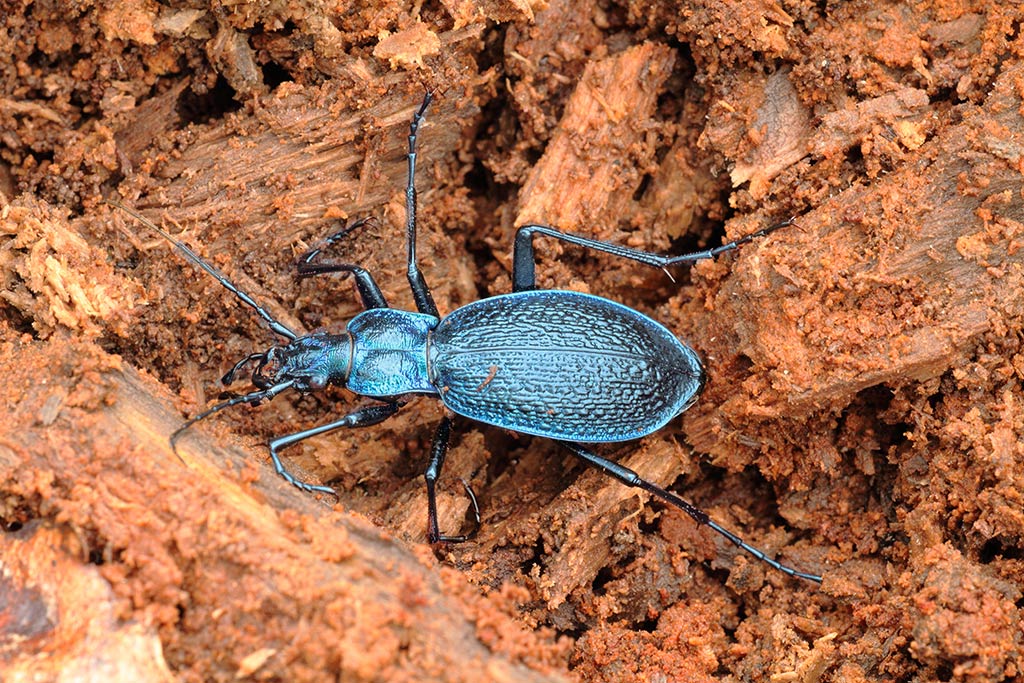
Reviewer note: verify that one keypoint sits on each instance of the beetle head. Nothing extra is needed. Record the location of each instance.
(309, 363)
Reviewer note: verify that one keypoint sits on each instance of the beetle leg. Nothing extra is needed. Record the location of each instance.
(369, 291)
(524, 261)
(438, 451)
(729, 246)
(363, 417)
(631, 478)
(420, 290)
(335, 238)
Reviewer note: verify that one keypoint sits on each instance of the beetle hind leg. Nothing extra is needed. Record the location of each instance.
(631, 478)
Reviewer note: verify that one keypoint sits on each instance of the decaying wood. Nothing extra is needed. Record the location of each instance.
(583, 180)
(54, 278)
(305, 158)
(907, 273)
(870, 358)
(246, 569)
(60, 617)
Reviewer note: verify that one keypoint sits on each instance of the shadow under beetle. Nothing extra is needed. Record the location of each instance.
(572, 367)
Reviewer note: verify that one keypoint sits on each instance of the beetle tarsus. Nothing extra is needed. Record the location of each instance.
(524, 259)
(631, 478)
(362, 417)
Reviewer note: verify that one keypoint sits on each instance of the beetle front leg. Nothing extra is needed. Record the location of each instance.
(524, 260)
(369, 291)
(363, 417)
(631, 478)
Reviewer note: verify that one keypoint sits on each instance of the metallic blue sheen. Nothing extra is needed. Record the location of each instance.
(557, 364)
(389, 353)
(310, 362)
(562, 365)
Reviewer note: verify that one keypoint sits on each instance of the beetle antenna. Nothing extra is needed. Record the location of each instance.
(254, 398)
(276, 326)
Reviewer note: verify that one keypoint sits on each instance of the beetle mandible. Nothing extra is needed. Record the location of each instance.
(572, 367)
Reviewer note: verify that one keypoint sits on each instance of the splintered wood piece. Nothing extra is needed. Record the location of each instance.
(885, 283)
(305, 155)
(55, 278)
(782, 128)
(585, 176)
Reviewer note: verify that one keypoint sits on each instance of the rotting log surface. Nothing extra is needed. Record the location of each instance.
(863, 415)
(321, 591)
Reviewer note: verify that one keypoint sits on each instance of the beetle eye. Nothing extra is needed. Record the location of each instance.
(317, 382)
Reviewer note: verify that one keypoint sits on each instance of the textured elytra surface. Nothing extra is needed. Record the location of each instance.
(563, 365)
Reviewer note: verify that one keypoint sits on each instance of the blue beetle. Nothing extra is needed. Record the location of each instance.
(563, 365)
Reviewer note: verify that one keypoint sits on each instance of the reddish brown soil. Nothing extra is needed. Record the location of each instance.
(864, 412)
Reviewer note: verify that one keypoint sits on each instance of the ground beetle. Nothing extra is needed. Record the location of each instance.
(563, 365)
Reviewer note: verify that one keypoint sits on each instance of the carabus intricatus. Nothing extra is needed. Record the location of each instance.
(572, 367)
